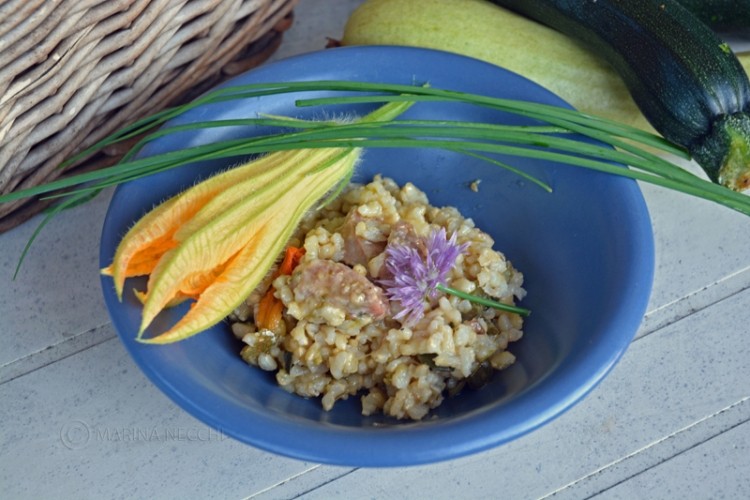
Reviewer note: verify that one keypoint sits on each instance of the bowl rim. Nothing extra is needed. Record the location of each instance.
(429, 441)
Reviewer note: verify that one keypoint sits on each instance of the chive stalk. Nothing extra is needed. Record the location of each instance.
(549, 139)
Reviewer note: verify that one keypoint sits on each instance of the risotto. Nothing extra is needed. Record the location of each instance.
(342, 332)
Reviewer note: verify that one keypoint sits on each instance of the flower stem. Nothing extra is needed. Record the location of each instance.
(484, 301)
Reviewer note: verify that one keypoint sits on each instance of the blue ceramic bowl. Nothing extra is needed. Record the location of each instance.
(586, 251)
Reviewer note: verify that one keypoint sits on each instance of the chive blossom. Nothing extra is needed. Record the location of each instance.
(419, 276)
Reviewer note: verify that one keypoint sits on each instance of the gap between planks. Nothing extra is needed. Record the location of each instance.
(656, 453)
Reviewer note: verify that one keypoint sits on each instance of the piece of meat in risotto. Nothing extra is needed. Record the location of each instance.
(319, 284)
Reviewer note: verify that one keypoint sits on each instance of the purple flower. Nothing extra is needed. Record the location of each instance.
(417, 275)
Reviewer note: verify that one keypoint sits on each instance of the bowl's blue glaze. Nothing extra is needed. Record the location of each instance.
(586, 251)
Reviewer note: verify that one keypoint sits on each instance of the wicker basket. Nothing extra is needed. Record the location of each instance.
(73, 71)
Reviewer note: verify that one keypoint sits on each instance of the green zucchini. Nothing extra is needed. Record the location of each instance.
(721, 14)
(688, 83)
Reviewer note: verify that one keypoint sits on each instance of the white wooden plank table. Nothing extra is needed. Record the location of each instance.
(79, 420)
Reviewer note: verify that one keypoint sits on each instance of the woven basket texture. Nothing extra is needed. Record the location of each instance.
(74, 71)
